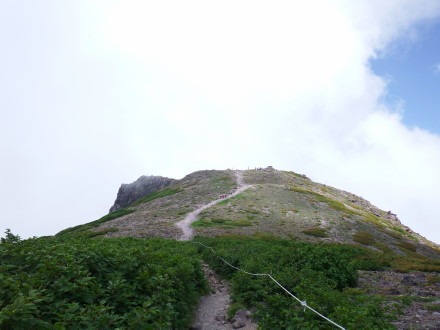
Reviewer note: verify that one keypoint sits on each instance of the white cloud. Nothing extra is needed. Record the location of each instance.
(170, 87)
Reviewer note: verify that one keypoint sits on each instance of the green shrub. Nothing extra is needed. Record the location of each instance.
(221, 223)
(331, 203)
(317, 232)
(364, 237)
(218, 220)
(399, 230)
(92, 234)
(315, 273)
(53, 283)
(407, 246)
(156, 195)
(10, 237)
(433, 307)
(233, 308)
(227, 200)
(96, 223)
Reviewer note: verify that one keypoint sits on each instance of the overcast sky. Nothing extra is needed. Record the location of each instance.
(97, 93)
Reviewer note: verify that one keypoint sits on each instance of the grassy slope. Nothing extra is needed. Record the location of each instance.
(156, 214)
(282, 204)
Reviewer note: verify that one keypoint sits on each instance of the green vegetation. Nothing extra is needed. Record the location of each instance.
(407, 246)
(317, 232)
(81, 229)
(77, 282)
(389, 232)
(62, 283)
(364, 237)
(227, 200)
(433, 279)
(221, 223)
(233, 308)
(333, 204)
(405, 233)
(92, 234)
(156, 195)
(224, 182)
(315, 273)
(433, 307)
(400, 230)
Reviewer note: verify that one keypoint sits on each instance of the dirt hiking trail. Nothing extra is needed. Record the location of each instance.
(185, 224)
(211, 312)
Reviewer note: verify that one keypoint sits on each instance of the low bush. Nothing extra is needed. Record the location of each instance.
(156, 195)
(317, 232)
(315, 273)
(433, 307)
(407, 246)
(101, 283)
(221, 223)
(81, 229)
(364, 237)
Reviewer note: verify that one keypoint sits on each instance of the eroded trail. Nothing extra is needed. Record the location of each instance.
(185, 224)
(212, 309)
(211, 312)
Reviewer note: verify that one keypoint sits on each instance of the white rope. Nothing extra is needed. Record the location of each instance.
(303, 303)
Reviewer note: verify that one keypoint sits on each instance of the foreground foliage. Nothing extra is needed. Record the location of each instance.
(53, 283)
(71, 283)
(315, 273)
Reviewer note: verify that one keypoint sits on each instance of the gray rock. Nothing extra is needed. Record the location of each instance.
(412, 280)
(145, 185)
(240, 319)
(196, 326)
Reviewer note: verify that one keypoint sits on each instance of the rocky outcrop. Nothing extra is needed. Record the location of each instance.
(422, 310)
(145, 185)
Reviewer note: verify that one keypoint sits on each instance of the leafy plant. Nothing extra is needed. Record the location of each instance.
(10, 237)
(58, 283)
(323, 275)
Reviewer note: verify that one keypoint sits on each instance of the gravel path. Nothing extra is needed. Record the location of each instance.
(185, 224)
(211, 312)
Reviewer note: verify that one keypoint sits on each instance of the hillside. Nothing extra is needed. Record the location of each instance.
(147, 265)
(278, 203)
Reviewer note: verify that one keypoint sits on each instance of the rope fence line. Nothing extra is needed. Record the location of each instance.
(303, 303)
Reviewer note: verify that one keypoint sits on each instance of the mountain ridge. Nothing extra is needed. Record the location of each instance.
(281, 204)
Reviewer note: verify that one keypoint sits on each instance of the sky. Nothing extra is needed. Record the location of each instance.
(98, 93)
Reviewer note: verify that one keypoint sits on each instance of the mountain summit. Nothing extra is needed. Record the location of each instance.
(275, 203)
